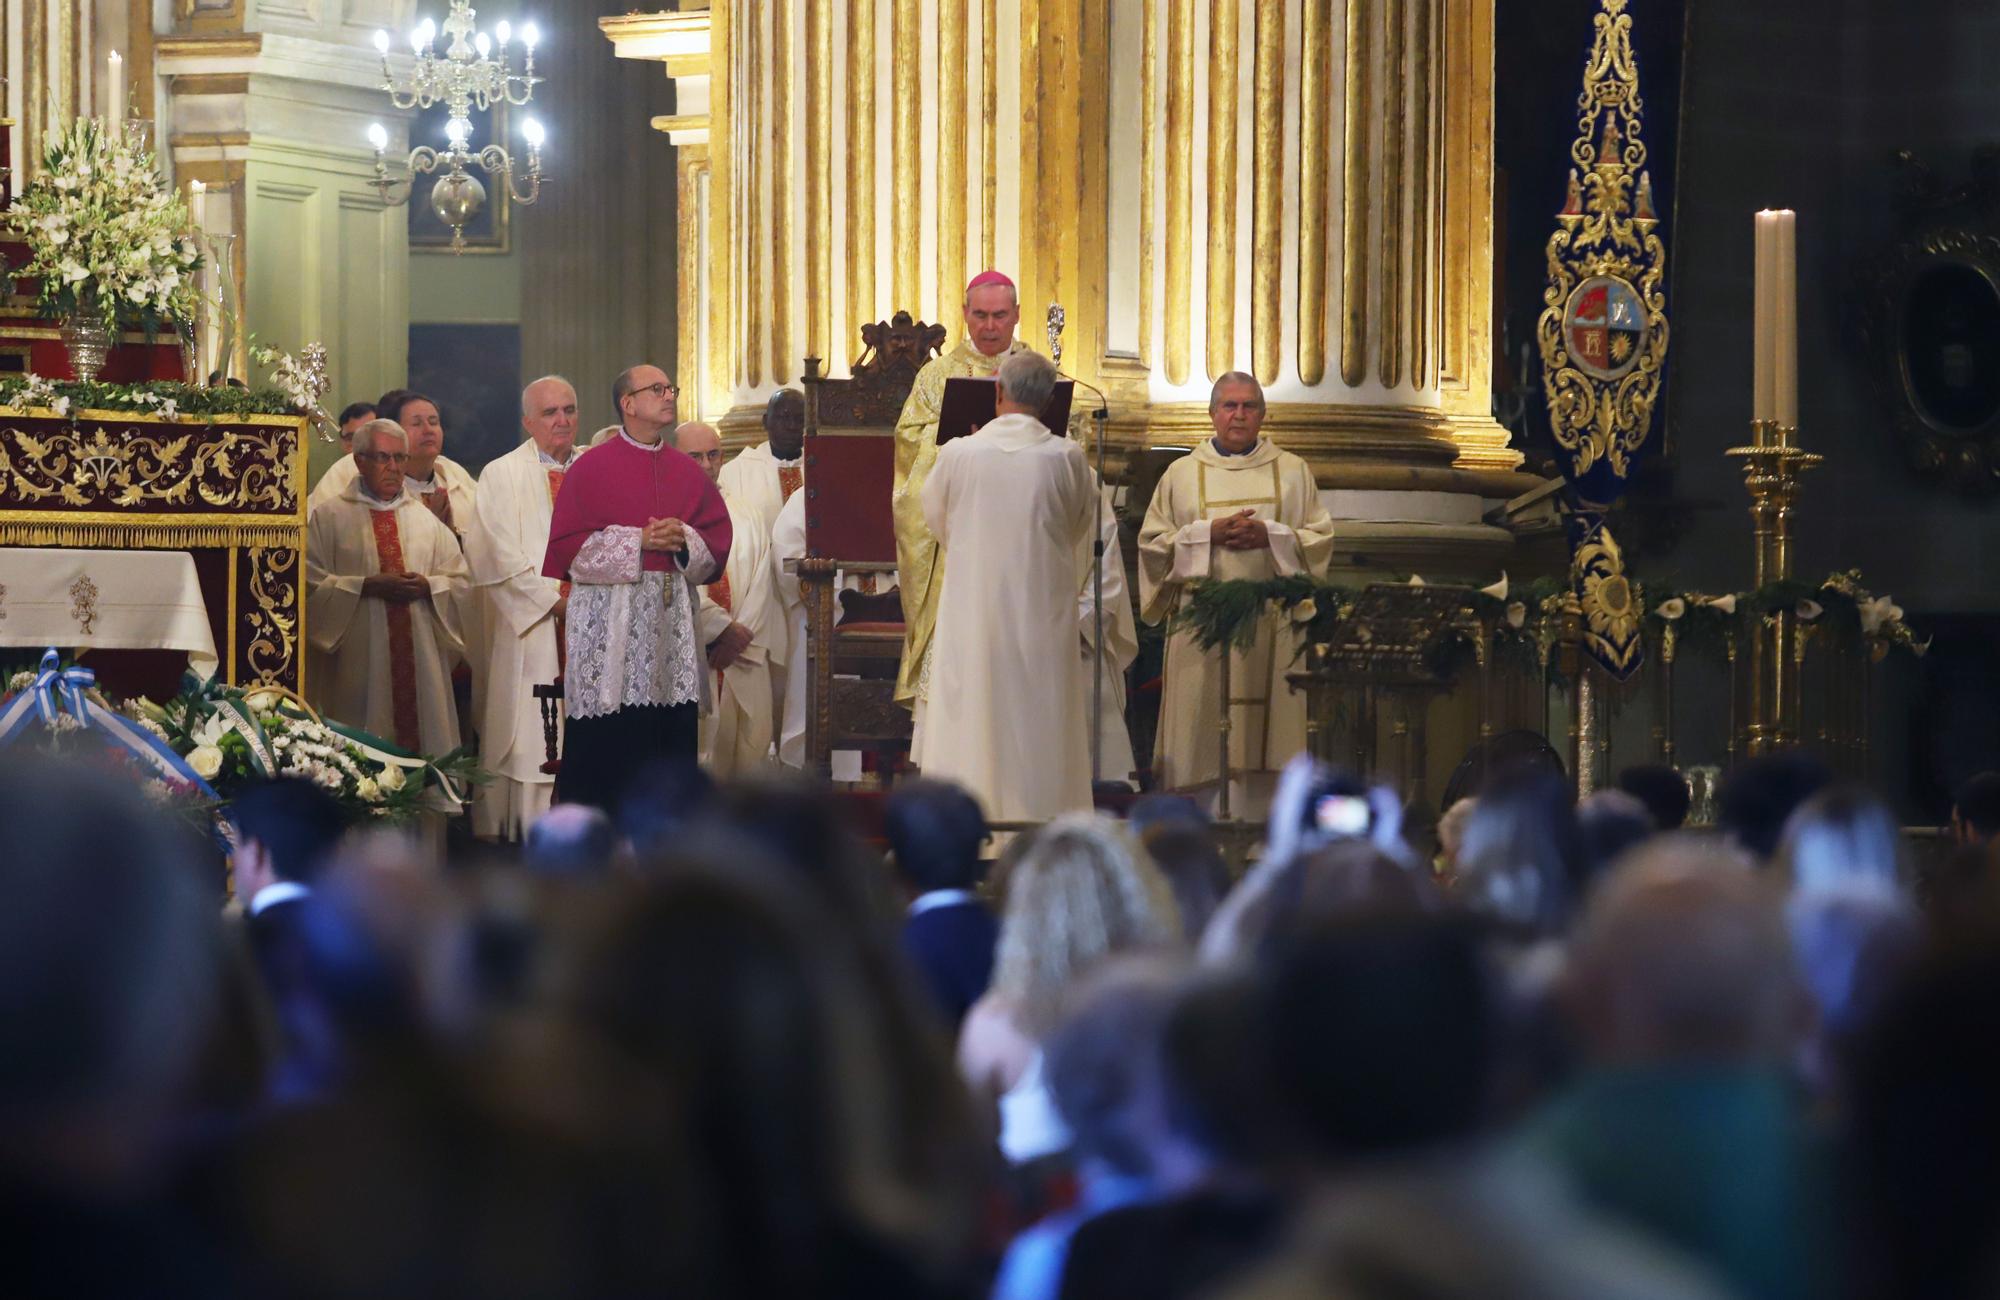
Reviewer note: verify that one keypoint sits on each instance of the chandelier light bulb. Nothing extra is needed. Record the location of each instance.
(428, 30)
(531, 130)
(416, 40)
(458, 130)
(377, 136)
(381, 41)
(483, 44)
(505, 31)
(531, 35)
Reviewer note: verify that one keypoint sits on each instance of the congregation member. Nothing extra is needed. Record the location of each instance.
(1237, 507)
(741, 626)
(936, 833)
(760, 479)
(339, 474)
(1012, 508)
(386, 588)
(636, 530)
(523, 612)
(1975, 810)
(991, 310)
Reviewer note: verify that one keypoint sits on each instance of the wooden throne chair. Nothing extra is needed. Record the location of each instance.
(854, 635)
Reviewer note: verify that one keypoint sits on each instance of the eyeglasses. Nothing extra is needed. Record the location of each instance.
(383, 457)
(661, 391)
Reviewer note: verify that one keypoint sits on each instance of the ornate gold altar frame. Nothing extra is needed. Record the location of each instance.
(231, 491)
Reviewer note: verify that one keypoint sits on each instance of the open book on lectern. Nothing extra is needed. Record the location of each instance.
(969, 402)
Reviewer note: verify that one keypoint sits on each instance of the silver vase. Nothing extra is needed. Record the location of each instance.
(88, 341)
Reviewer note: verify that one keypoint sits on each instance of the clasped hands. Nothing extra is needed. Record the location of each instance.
(669, 535)
(729, 647)
(396, 588)
(1242, 531)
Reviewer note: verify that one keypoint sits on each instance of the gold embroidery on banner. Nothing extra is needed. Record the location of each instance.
(178, 466)
(83, 604)
(272, 621)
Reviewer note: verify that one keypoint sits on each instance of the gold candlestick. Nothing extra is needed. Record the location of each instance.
(1772, 467)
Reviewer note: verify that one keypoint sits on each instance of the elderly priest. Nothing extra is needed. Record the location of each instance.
(637, 529)
(1012, 506)
(1237, 507)
(386, 588)
(992, 309)
(522, 611)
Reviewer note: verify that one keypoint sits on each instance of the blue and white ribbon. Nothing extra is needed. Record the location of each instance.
(57, 690)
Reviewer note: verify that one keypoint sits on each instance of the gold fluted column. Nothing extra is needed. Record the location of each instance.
(859, 199)
(1394, 186)
(951, 174)
(1267, 254)
(750, 238)
(1355, 194)
(906, 155)
(1179, 250)
(1315, 175)
(1223, 71)
(989, 108)
(819, 178)
(1149, 123)
(723, 356)
(1423, 212)
(781, 193)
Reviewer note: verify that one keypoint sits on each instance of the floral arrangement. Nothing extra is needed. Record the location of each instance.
(106, 238)
(1227, 612)
(303, 381)
(169, 400)
(226, 738)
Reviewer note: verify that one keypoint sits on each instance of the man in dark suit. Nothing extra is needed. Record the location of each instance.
(936, 831)
(286, 832)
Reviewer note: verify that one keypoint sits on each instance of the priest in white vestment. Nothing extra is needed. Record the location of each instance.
(742, 627)
(386, 584)
(436, 481)
(1236, 507)
(1012, 507)
(1121, 644)
(788, 542)
(522, 612)
(760, 479)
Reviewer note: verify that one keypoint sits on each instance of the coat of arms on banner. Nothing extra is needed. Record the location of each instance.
(1603, 329)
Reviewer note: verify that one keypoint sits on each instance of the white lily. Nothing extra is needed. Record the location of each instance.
(1727, 604)
(1808, 610)
(1879, 613)
(1416, 580)
(1517, 616)
(1672, 609)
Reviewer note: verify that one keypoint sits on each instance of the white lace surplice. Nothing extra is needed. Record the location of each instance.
(631, 632)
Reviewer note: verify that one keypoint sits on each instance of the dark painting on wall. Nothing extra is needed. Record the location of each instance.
(473, 373)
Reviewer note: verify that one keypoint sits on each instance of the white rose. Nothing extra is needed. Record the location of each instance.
(1305, 611)
(206, 760)
(391, 779)
(262, 702)
(368, 791)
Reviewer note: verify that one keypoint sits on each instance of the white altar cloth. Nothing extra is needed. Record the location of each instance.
(104, 600)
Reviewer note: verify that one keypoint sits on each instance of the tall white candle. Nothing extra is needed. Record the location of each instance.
(1785, 368)
(114, 89)
(1763, 397)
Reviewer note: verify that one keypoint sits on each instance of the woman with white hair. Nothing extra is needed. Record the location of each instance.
(1078, 891)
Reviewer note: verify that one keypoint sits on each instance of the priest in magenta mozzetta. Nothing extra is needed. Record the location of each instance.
(637, 528)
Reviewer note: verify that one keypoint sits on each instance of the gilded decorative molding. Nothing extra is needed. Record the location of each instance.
(819, 178)
(1355, 190)
(1180, 186)
(952, 94)
(1267, 254)
(1149, 124)
(44, 463)
(859, 200)
(782, 199)
(1315, 174)
(1395, 188)
(1223, 71)
(906, 156)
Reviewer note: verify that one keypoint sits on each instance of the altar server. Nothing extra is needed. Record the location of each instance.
(1237, 507)
(1012, 507)
(386, 588)
(762, 478)
(743, 628)
(523, 612)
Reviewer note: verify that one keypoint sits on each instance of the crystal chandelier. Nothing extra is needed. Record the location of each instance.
(465, 77)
